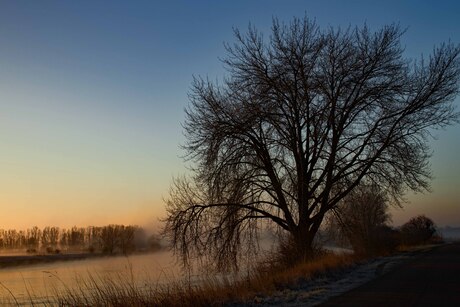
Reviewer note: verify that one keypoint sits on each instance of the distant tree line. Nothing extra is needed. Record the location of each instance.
(110, 239)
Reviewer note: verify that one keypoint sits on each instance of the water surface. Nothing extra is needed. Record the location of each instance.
(40, 281)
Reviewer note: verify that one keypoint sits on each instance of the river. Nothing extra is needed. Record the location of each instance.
(41, 281)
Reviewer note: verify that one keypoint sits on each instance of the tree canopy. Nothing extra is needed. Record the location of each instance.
(300, 120)
(418, 230)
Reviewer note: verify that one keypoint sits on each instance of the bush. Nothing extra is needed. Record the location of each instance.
(386, 240)
(418, 230)
(360, 219)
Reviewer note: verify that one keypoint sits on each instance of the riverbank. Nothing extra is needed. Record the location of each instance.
(24, 260)
(304, 284)
(208, 290)
(315, 291)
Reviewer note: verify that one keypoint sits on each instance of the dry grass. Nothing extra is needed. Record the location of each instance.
(212, 291)
(124, 289)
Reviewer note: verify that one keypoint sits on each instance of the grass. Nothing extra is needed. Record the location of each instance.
(124, 289)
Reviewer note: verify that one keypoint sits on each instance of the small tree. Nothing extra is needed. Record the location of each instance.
(33, 238)
(299, 122)
(361, 218)
(76, 237)
(418, 230)
(46, 237)
(54, 236)
(109, 237)
(126, 238)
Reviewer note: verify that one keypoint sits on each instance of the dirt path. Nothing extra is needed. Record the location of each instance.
(429, 279)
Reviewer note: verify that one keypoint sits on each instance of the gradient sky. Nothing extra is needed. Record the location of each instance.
(92, 95)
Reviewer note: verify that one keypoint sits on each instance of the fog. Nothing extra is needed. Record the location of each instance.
(42, 281)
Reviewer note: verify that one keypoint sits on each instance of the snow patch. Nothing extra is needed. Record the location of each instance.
(318, 290)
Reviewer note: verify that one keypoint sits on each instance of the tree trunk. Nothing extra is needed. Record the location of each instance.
(302, 245)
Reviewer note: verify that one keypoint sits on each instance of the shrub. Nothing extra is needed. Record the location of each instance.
(386, 240)
(418, 230)
(360, 219)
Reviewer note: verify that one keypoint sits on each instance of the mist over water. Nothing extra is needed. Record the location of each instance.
(45, 280)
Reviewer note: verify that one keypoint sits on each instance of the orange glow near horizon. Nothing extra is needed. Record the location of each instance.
(92, 98)
(146, 215)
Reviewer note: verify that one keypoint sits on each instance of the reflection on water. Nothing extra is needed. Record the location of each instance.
(43, 280)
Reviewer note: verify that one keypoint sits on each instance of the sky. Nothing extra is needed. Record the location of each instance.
(92, 97)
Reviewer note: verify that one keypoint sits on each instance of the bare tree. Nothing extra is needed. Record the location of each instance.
(361, 218)
(418, 230)
(33, 237)
(109, 237)
(126, 238)
(54, 233)
(76, 237)
(299, 121)
(46, 237)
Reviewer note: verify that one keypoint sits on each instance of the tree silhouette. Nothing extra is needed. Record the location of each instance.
(418, 230)
(361, 218)
(299, 121)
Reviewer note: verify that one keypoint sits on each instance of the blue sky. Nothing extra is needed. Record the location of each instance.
(92, 96)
